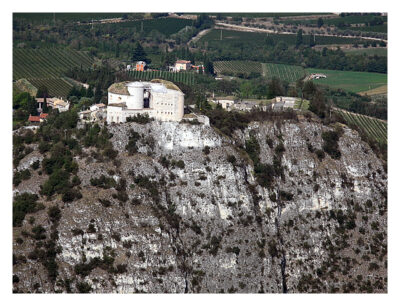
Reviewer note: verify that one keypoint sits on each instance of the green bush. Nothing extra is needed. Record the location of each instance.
(83, 287)
(23, 204)
(35, 165)
(54, 214)
(180, 164)
(39, 232)
(139, 118)
(131, 147)
(21, 176)
(231, 159)
(103, 182)
(57, 182)
(330, 145)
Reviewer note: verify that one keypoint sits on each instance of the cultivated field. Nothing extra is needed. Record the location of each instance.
(289, 73)
(48, 18)
(187, 78)
(47, 63)
(381, 90)
(374, 128)
(350, 80)
(229, 36)
(166, 26)
(233, 67)
(48, 66)
(58, 87)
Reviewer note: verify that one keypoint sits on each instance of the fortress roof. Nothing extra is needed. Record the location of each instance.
(157, 85)
(119, 88)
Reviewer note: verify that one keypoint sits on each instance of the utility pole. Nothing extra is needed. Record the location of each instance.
(54, 18)
(221, 35)
(142, 26)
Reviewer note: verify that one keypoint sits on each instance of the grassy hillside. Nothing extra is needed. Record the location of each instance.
(350, 80)
(368, 51)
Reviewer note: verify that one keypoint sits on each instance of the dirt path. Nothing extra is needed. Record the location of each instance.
(221, 25)
(198, 36)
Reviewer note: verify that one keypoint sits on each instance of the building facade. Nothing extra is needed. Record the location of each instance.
(182, 65)
(159, 99)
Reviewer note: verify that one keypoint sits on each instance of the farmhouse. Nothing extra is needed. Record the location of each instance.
(158, 99)
(182, 65)
(283, 102)
(225, 102)
(37, 119)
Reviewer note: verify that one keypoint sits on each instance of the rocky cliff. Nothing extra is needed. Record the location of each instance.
(191, 212)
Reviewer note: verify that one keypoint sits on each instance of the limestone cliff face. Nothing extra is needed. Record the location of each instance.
(206, 225)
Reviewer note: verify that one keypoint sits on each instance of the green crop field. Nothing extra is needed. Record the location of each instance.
(350, 80)
(289, 73)
(213, 38)
(374, 128)
(229, 67)
(368, 51)
(48, 18)
(166, 26)
(187, 78)
(58, 87)
(382, 28)
(48, 66)
(343, 21)
(47, 63)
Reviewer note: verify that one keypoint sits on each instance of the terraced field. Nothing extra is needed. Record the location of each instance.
(289, 73)
(187, 78)
(47, 63)
(374, 128)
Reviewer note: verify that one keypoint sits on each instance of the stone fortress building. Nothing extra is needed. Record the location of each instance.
(160, 99)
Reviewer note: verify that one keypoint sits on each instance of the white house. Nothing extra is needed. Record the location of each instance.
(182, 65)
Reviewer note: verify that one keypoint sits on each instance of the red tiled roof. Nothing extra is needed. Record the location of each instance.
(34, 118)
(43, 116)
(183, 62)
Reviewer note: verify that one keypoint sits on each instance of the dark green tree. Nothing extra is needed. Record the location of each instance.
(97, 94)
(42, 92)
(45, 108)
(32, 106)
(320, 22)
(117, 51)
(299, 38)
(139, 54)
(312, 41)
